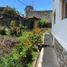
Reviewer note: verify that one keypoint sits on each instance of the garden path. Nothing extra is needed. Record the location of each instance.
(48, 57)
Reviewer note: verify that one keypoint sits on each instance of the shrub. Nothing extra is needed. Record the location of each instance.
(32, 39)
(20, 56)
(23, 54)
(43, 23)
(25, 39)
(15, 29)
(37, 31)
(2, 31)
(13, 23)
(36, 38)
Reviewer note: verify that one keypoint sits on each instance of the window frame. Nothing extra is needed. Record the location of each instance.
(64, 9)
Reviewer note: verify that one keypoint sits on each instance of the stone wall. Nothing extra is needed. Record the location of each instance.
(41, 14)
(61, 54)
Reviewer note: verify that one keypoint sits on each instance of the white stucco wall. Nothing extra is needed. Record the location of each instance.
(60, 33)
(58, 9)
(59, 28)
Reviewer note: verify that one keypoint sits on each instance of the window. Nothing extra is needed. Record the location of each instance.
(54, 16)
(64, 8)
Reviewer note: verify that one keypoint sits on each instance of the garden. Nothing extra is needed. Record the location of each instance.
(22, 50)
(19, 47)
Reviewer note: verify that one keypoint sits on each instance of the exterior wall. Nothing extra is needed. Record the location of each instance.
(60, 33)
(57, 13)
(35, 24)
(61, 54)
(58, 10)
(59, 28)
(41, 14)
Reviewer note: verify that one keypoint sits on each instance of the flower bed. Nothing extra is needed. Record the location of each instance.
(24, 53)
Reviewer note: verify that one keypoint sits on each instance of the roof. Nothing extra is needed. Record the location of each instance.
(35, 18)
(43, 11)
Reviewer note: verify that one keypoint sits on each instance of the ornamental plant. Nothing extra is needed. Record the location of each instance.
(32, 39)
(20, 56)
(23, 54)
(15, 29)
(36, 38)
(24, 39)
(43, 23)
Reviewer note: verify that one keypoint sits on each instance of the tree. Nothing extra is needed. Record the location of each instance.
(9, 10)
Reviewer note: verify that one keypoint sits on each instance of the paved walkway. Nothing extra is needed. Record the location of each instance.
(48, 57)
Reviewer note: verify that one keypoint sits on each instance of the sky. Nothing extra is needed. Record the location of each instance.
(21, 4)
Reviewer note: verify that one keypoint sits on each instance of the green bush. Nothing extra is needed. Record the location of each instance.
(20, 56)
(36, 38)
(15, 29)
(25, 39)
(32, 39)
(24, 53)
(43, 23)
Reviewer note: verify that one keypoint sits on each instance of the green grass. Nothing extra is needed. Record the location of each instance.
(47, 29)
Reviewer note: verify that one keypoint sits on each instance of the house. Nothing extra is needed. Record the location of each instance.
(59, 22)
(31, 23)
(43, 14)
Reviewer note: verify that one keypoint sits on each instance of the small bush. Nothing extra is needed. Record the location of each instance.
(43, 23)
(20, 56)
(36, 38)
(25, 38)
(15, 28)
(32, 39)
